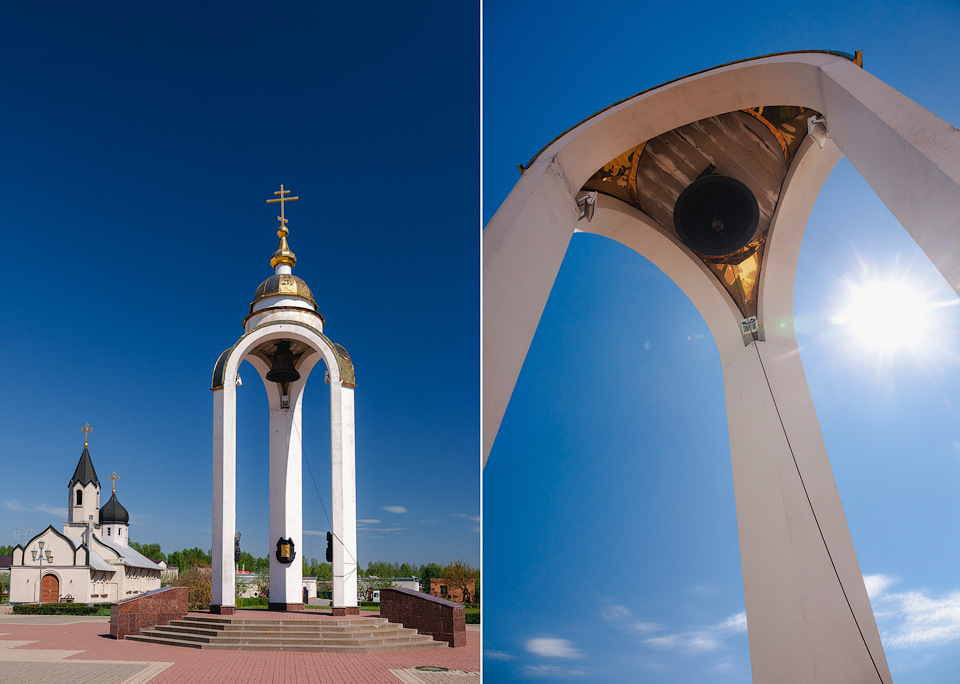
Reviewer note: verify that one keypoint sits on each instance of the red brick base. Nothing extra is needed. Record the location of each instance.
(441, 619)
(222, 610)
(154, 608)
(285, 606)
(349, 610)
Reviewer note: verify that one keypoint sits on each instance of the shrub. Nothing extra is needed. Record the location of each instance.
(472, 617)
(198, 580)
(56, 609)
(253, 601)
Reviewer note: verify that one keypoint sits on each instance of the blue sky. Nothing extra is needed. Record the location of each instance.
(610, 540)
(139, 145)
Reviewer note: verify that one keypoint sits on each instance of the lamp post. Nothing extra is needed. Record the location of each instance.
(40, 581)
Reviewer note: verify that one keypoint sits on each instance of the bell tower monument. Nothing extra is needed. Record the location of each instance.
(283, 340)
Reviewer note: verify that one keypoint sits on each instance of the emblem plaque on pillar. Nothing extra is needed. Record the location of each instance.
(286, 550)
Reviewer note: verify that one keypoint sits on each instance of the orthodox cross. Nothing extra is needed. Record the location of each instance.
(114, 477)
(86, 430)
(281, 218)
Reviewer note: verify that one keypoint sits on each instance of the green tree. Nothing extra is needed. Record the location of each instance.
(325, 572)
(189, 558)
(428, 572)
(382, 569)
(248, 561)
(151, 551)
(6, 550)
(406, 570)
(197, 578)
(461, 575)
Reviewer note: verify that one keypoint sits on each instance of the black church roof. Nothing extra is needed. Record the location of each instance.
(84, 474)
(112, 512)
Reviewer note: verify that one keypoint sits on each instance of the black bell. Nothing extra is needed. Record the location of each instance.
(283, 370)
(716, 215)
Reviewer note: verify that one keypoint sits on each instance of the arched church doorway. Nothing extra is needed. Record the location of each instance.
(49, 589)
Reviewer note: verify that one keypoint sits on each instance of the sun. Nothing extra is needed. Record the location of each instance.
(887, 316)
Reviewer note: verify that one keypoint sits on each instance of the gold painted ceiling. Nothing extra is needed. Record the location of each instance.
(755, 146)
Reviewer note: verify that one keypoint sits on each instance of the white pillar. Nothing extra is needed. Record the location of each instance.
(523, 246)
(286, 493)
(343, 500)
(224, 498)
(808, 615)
(909, 156)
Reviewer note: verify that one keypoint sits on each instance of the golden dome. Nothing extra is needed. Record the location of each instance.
(283, 284)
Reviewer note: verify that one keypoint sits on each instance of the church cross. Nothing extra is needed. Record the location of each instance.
(86, 429)
(114, 477)
(281, 218)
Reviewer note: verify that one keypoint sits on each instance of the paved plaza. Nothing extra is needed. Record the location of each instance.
(52, 649)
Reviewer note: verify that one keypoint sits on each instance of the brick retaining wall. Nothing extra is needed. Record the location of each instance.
(156, 607)
(443, 620)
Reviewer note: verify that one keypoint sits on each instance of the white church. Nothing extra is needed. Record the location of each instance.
(90, 561)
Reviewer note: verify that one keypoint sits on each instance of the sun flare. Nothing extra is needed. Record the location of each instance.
(887, 316)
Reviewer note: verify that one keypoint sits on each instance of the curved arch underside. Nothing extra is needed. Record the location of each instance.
(809, 617)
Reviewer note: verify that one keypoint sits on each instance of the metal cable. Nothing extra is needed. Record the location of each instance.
(803, 484)
(356, 563)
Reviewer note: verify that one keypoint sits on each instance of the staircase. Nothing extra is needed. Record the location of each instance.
(363, 635)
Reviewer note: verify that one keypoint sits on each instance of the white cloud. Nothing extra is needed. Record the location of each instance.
(316, 533)
(381, 529)
(551, 647)
(734, 623)
(703, 639)
(368, 520)
(915, 620)
(688, 642)
(474, 518)
(393, 509)
(878, 584)
(621, 617)
(703, 589)
(498, 655)
(15, 505)
(912, 619)
(552, 671)
(60, 512)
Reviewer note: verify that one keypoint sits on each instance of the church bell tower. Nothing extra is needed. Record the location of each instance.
(83, 493)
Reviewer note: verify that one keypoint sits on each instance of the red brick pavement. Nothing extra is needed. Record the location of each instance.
(196, 666)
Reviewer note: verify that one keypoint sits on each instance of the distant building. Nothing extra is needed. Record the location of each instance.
(451, 590)
(90, 561)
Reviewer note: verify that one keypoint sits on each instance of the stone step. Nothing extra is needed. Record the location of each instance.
(202, 631)
(369, 635)
(168, 642)
(268, 641)
(343, 622)
(386, 648)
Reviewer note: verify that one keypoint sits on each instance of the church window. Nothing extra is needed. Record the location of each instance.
(79, 498)
(108, 531)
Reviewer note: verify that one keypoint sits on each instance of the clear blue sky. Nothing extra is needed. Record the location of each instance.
(139, 144)
(610, 540)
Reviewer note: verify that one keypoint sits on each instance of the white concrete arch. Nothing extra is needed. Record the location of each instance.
(286, 503)
(809, 617)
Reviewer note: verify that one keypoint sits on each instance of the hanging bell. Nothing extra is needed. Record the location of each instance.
(716, 215)
(282, 370)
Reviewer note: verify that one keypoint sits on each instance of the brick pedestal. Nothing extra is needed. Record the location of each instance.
(443, 620)
(350, 610)
(285, 606)
(157, 607)
(223, 610)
